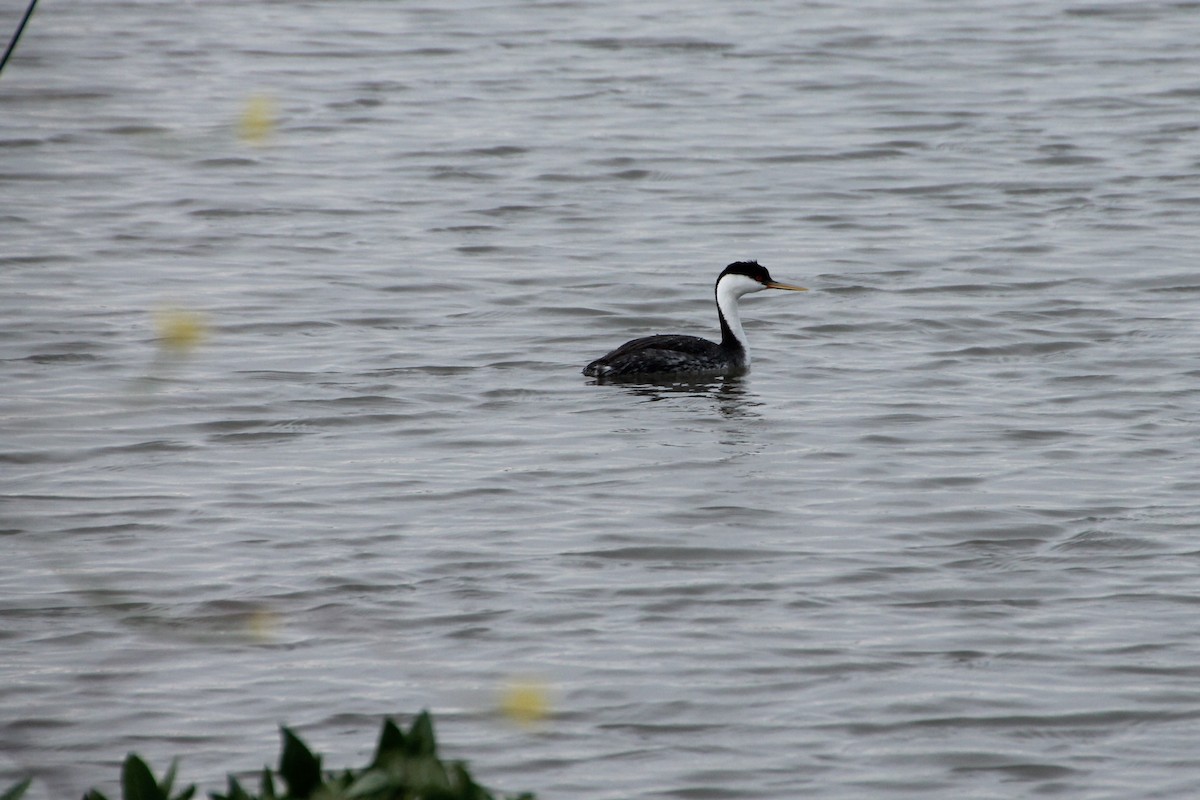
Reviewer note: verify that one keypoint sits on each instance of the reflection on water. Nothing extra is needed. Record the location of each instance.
(730, 396)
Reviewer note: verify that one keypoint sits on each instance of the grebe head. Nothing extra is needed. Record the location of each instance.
(739, 278)
(744, 277)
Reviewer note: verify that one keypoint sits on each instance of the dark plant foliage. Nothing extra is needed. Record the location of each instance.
(16, 790)
(405, 767)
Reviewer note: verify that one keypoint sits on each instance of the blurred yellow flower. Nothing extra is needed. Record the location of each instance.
(525, 701)
(179, 331)
(263, 625)
(257, 121)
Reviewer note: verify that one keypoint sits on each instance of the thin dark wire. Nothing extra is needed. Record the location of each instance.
(13, 44)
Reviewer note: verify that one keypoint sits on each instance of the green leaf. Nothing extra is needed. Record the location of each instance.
(94, 795)
(336, 785)
(266, 785)
(464, 785)
(16, 790)
(233, 790)
(298, 767)
(373, 783)
(391, 743)
(426, 774)
(169, 779)
(421, 741)
(137, 781)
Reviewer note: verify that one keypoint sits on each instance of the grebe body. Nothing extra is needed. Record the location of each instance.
(677, 355)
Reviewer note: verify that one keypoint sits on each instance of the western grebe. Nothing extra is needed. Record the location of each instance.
(675, 354)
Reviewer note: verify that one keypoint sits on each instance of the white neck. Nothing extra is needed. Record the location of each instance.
(729, 289)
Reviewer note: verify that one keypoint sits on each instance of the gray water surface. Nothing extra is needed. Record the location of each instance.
(941, 541)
